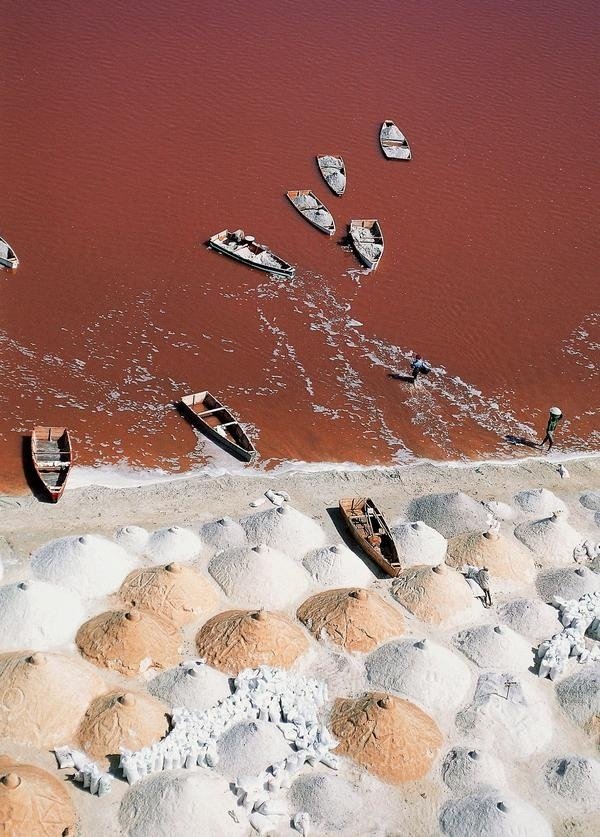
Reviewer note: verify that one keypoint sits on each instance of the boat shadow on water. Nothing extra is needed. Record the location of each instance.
(342, 530)
(33, 481)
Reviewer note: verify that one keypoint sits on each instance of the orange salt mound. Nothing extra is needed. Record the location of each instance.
(130, 641)
(238, 639)
(174, 591)
(504, 558)
(356, 619)
(121, 719)
(33, 803)
(435, 594)
(390, 736)
(44, 696)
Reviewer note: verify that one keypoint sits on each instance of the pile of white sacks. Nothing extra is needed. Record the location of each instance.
(579, 616)
(289, 701)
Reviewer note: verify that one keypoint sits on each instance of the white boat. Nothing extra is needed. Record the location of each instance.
(393, 142)
(8, 257)
(367, 239)
(334, 172)
(311, 208)
(244, 248)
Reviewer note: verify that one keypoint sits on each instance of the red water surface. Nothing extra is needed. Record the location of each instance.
(131, 132)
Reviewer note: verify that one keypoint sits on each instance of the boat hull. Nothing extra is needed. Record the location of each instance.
(51, 458)
(283, 271)
(350, 510)
(328, 230)
(325, 169)
(245, 454)
(377, 236)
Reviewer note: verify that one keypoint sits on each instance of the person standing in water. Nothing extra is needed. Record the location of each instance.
(555, 416)
(418, 367)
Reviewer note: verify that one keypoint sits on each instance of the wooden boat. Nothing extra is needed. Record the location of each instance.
(367, 526)
(311, 208)
(245, 249)
(367, 240)
(210, 416)
(334, 172)
(393, 142)
(52, 458)
(8, 257)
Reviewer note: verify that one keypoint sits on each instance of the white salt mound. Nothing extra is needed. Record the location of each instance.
(532, 618)
(591, 500)
(576, 779)
(492, 813)
(539, 502)
(337, 566)
(500, 510)
(248, 748)
(180, 803)
(89, 565)
(38, 615)
(417, 543)
(224, 533)
(567, 583)
(284, 528)
(423, 671)
(464, 768)
(579, 694)
(495, 647)
(259, 577)
(192, 684)
(507, 716)
(133, 539)
(174, 543)
(552, 538)
(331, 802)
(451, 514)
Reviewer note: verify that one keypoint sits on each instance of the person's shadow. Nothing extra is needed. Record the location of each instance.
(398, 376)
(520, 440)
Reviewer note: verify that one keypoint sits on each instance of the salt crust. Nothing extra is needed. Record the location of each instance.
(539, 502)
(465, 768)
(567, 583)
(133, 539)
(173, 543)
(591, 500)
(337, 566)
(451, 514)
(551, 538)
(532, 618)
(284, 528)
(89, 565)
(495, 647)
(174, 804)
(579, 696)
(33, 803)
(575, 779)
(434, 677)
(35, 614)
(224, 533)
(259, 577)
(418, 543)
(492, 813)
(191, 684)
(507, 716)
(332, 802)
(249, 747)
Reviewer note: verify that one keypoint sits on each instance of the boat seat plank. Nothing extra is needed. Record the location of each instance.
(43, 466)
(228, 423)
(209, 412)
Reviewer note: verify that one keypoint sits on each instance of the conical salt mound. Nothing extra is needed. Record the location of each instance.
(391, 737)
(89, 565)
(332, 802)
(33, 803)
(356, 619)
(176, 591)
(552, 538)
(130, 641)
(177, 803)
(44, 697)
(121, 719)
(174, 543)
(451, 514)
(492, 813)
(192, 684)
(34, 614)
(579, 696)
(337, 566)
(590, 500)
(249, 747)
(507, 715)
(284, 528)
(495, 647)
(567, 583)
(417, 543)
(463, 769)
(539, 502)
(239, 639)
(435, 594)
(133, 539)
(224, 533)
(532, 618)
(575, 779)
(259, 577)
(434, 677)
(504, 557)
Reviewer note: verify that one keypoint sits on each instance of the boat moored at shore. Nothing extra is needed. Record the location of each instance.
(369, 529)
(206, 413)
(52, 458)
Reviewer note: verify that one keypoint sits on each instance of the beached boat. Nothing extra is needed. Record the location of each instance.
(52, 457)
(334, 172)
(393, 142)
(367, 239)
(8, 257)
(210, 416)
(367, 526)
(311, 208)
(245, 249)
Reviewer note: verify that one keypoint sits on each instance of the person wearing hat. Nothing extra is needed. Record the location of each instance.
(555, 416)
